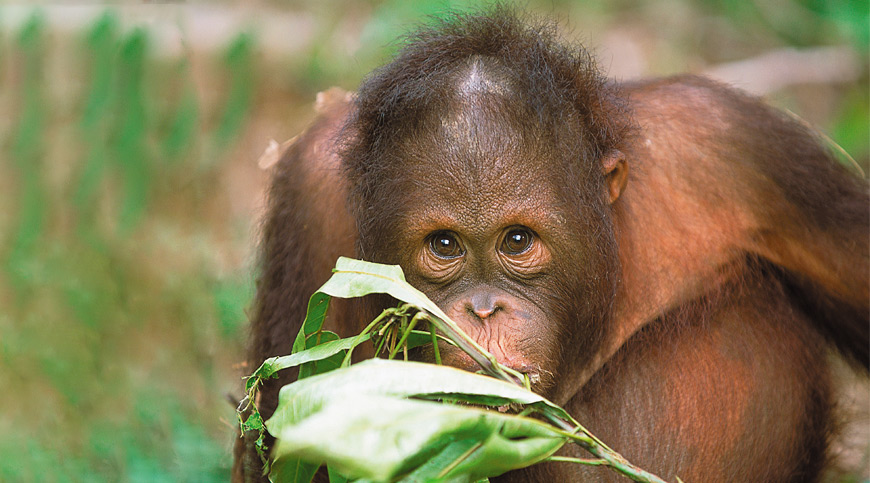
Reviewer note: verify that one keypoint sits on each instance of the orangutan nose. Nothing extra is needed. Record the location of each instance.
(482, 305)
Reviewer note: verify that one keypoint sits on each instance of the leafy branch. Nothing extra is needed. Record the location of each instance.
(388, 420)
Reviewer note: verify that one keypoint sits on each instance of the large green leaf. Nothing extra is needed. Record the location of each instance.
(408, 379)
(355, 278)
(382, 438)
(358, 420)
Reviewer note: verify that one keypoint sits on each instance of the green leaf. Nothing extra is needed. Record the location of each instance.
(419, 380)
(253, 423)
(292, 470)
(336, 477)
(410, 379)
(321, 365)
(317, 306)
(382, 438)
(432, 469)
(358, 420)
(355, 278)
(317, 353)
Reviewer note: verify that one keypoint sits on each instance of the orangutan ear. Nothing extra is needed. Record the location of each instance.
(615, 174)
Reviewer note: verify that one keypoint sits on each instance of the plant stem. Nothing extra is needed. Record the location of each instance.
(435, 350)
(406, 331)
(369, 328)
(581, 461)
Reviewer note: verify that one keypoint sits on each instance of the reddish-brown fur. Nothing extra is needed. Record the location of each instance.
(712, 284)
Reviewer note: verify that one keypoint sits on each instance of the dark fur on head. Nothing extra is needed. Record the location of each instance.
(558, 85)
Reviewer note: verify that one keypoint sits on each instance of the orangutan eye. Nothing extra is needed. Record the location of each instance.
(445, 245)
(516, 241)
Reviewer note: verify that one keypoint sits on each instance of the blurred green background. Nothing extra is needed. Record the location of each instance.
(131, 195)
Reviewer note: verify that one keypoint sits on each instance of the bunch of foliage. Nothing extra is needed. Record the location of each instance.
(395, 420)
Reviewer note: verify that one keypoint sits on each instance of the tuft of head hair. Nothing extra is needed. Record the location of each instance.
(558, 83)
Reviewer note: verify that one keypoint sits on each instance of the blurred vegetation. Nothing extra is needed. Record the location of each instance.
(118, 322)
(131, 196)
